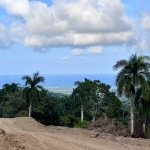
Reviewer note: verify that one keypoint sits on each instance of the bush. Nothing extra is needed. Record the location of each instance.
(81, 124)
(64, 121)
(68, 121)
(23, 113)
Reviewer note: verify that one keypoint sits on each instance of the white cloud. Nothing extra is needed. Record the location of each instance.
(5, 38)
(66, 58)
(95, 50)
(144, 36)
(19, 8)
(70, 23)
(143, 43)
(145, 23)
(77, 52)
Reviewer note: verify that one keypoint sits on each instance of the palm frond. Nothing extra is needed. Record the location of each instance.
(120, 64)
(28, 80)
(77, 83)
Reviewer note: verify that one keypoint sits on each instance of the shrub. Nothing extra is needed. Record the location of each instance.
(64, 121)
(68, 120)
(23, 113)
(81, 124)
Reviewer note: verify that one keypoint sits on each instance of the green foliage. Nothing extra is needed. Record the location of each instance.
(49, 110)
(11, 101)
(133, 75)
(134, 72)
(114, 106)
(69, 104)
(81, 124)
(68, 120)
(65, 121)
(124, 121)
(96, 98)
(32, 91)
(22, 113)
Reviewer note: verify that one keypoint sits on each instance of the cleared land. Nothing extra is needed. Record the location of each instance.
(25, 133)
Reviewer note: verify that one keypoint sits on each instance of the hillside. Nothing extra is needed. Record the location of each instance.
(25, 133)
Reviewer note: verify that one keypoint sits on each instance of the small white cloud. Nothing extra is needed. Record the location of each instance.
(95, 50)
(77, 52)
(66, 58)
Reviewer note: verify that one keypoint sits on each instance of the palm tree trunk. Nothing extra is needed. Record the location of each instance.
(132, 114)
(81, 112)
(30, 109)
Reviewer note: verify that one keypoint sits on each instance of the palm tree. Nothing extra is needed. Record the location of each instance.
(32, 90)
(133, 74)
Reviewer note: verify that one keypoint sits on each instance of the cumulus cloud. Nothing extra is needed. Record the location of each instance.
(95, 50)
(70, 23)
(19, 8)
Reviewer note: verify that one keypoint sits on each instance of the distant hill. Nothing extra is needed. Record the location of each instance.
(58, 94)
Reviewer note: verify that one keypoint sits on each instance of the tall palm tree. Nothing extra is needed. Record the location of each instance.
(32, 90)
(133, 74)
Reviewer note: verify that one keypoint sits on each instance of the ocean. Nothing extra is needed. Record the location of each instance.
(55, 82)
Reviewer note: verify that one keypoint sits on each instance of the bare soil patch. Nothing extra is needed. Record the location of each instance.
(25, 133)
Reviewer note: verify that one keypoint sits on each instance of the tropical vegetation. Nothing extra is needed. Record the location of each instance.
(91, 103)
(32, 90)
(134, 73)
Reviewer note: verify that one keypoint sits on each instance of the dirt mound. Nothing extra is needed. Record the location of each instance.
(28, 124)
(21, 124)
(25, 133)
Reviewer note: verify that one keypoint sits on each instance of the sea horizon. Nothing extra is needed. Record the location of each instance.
(61, 81)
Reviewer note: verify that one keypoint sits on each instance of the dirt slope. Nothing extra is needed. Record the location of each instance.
(25, 133)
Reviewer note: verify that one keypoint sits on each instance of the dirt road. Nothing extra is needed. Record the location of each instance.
(25, 133)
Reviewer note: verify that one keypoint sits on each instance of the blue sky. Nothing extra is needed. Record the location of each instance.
(71, 36)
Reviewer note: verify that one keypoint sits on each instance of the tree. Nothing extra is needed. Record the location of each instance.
(96, 97)
(11, 101)
(13, 87)
(50, 109)
(32, 90)
(81, 93)
(143, 109)
(133, 74)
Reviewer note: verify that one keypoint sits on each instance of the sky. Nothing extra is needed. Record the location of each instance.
(71, 36)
